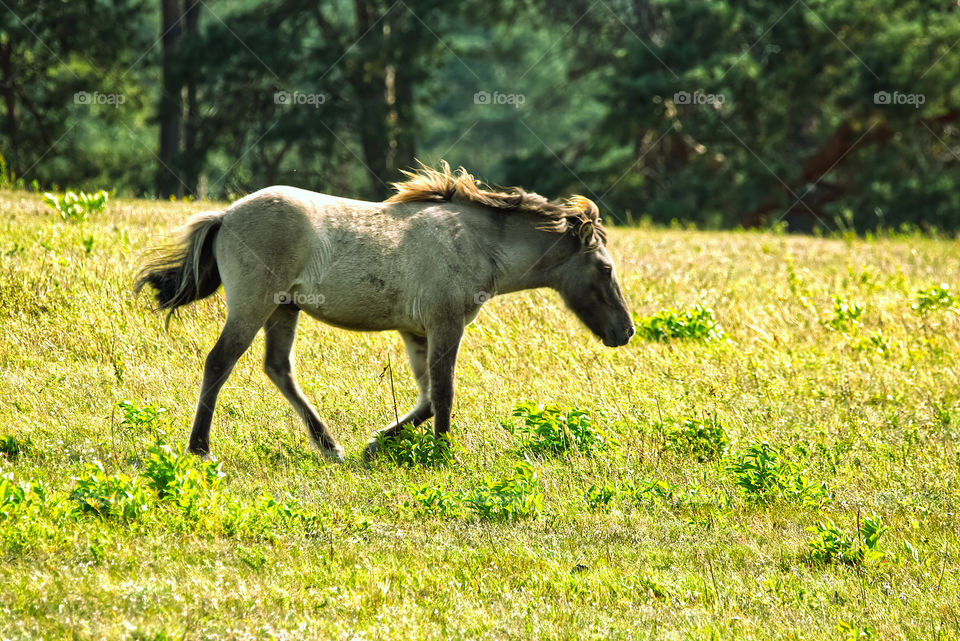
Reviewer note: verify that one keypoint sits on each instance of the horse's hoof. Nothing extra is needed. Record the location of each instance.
(372, 450)
(202, 453)
(335, 454)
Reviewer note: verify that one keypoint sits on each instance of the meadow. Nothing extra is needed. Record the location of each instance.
(773, 456)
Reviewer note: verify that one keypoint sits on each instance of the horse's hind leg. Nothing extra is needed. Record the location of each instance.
(417, 353)
(281, 331)
(238, 332)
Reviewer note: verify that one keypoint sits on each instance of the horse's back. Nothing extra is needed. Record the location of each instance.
(351, 263)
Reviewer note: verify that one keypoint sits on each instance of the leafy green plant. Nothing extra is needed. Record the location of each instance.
(707, 440)
(871, 530)
(852, 632)
(30, 515)
(75, 206)
(516, 496)
(264, 517)
(553, 429)
(765, 476)
(875, 342)
(658, 492)
(12, 447)
(698, 323)
(653, 491)
(832, 545)
(436, 501)
(13, 495)
(845, 315)
(417, 447)
(600, 498)
(184, 480)
(150, 418)
(934, 298)
(109, 495)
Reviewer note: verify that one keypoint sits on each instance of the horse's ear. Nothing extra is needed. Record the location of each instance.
(587, 232)
(585, 219)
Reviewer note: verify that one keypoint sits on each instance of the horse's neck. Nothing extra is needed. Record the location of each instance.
(526, 258)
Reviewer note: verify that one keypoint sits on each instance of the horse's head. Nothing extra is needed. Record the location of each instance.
(587, 279)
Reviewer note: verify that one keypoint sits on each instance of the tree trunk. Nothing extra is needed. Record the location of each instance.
(403, 119)
(10, 103)
(170, 112)
(647, 18)
(368, 77)
(192, 155)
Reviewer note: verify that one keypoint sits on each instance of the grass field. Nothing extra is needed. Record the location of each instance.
(793, 478)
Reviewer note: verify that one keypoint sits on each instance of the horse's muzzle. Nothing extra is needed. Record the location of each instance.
(620, 340)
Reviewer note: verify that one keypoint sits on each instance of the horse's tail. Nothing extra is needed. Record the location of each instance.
(186, 271)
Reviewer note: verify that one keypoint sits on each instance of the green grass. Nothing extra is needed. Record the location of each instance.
(797, 479)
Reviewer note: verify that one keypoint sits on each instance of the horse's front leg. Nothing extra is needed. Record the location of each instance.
(442, 347)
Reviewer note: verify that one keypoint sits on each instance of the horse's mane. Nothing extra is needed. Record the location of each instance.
(577, 213)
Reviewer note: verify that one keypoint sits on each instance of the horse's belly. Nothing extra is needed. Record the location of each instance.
(354, 290)
(358, 312)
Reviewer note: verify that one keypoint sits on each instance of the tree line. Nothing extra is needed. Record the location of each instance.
(828, 114)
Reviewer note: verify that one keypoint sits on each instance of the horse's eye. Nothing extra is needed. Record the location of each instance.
(606, 270)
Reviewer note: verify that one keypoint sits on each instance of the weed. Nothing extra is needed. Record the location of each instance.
(707, 440)
(845, 315)
(75, 206)
(436, 501)
(852, 632)
(697, 323)
(29, 514)
(661, 493)
(514, 497)
(266, 517)
(15, 495)
(599, 498)
(109, 496)
(871, 530)
(766, 476)
(831, 544)
(12, 447)
(876, 342)
(934, 298)
(150, 418)
(416, 447)
(656, 491)
(181, 479)
(552, 430)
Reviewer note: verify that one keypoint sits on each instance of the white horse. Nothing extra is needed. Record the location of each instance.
(422, 263)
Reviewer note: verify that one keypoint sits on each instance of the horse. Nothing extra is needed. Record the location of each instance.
(423, 263)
